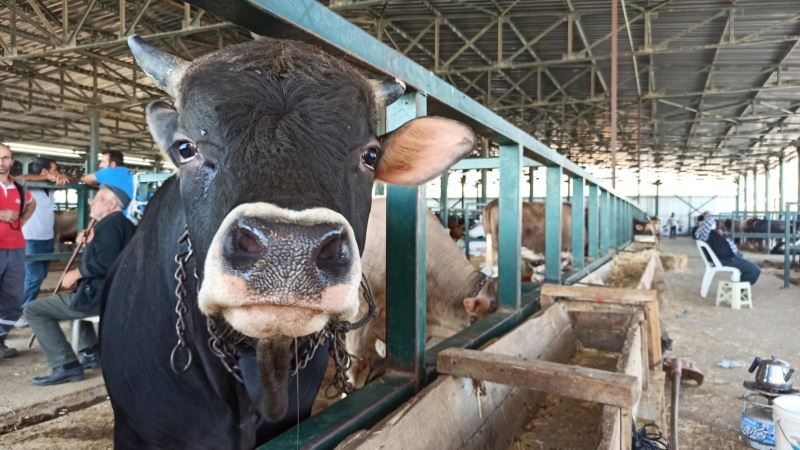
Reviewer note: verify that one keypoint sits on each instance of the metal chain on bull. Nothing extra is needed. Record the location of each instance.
(225, 351)
(484, 279)
(181, 307)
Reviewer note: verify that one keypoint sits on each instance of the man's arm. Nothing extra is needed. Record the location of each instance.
(30, 206)
(59, 179)
(101, 252)
(704, 229)
(90, 179)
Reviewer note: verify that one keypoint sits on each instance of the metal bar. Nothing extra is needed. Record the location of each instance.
(614, 93)
(443, 198)
(138, 17)
(577, 222)
(510, 234)
(484, 177)
(593, 216)
(488, 163)
(755, 190)
(552, 225)
(74, 36)
(766, 187)
(94, 138)
(405, 284)
(744, 193)
(630, 42)
(605, 222)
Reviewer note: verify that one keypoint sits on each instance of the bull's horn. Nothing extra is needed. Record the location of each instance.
(387, 91)
(164, 68)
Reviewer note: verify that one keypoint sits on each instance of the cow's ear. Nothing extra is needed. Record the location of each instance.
(162, 120)
(422, 149)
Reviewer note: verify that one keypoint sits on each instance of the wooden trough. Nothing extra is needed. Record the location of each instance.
(495, 392)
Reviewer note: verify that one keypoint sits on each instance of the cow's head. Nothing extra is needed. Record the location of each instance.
(277, 153)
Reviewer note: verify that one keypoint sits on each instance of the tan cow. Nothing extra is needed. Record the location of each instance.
(451, 299)
(533, 224)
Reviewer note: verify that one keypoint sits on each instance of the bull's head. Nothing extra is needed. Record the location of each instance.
(277, 153)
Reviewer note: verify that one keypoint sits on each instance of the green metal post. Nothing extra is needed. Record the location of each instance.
(510, 227)
(405, 254)
(577, 222)
(531, 171)
(443, 199)
(738, 190)
(605, 226)
(484, 177)
(552, 225)
(593, 211)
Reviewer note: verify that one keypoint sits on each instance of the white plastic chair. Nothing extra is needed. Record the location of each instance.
(94, 320)
(713, 267)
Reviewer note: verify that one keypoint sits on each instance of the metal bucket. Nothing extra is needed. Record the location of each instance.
(756, 422)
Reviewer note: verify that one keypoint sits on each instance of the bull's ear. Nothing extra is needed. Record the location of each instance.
(422, 149)
(162, 120)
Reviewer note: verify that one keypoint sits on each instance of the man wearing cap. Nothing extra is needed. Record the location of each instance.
(112, 173)
(725, 249)
(104, 243)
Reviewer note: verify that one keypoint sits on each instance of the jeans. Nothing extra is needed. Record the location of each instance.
(35, 271)
(672, 232)
(750, 271)
(44, 314)
(12, 279)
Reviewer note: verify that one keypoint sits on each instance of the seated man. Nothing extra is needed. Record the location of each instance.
(105, 242)
(726, 250)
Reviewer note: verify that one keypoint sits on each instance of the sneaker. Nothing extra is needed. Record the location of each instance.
(7, 352)
(90, 360)
(58, 376)
(22, 323)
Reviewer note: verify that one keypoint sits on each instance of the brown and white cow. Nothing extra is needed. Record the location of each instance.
(533, 225)
(451, 298)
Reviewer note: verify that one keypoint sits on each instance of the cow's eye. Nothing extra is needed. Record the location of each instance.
(186, 149)
(371, 156)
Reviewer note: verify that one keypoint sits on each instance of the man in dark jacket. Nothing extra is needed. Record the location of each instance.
(104, 243)
(725, 249)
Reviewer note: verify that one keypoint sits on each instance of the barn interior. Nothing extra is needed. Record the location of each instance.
(640, 115)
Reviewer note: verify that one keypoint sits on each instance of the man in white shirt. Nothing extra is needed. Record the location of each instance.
(38, 230)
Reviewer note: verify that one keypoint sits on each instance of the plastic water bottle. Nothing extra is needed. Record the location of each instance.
(730, 363)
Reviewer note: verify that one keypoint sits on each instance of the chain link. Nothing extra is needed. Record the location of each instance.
(223, 349)
(181, 307)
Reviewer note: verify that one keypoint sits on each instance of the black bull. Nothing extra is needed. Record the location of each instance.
(277, 154)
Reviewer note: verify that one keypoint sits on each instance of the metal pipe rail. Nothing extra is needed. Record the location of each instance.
(405, 284)
(790, 240)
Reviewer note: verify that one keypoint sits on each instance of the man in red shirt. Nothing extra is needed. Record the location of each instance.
(12, 249)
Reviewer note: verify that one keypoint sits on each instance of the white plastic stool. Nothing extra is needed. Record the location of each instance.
(76, 327)
(737, 293)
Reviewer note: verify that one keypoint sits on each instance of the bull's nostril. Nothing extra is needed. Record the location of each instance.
(242, 243)
(333, 254)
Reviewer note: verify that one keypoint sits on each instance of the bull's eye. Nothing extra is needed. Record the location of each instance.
(371, 156)
(186, 149)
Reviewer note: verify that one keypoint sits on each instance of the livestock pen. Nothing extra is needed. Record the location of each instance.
(410, 365)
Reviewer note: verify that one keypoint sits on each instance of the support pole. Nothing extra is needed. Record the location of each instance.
(605, 225)
(781, 170)
(744, 193)
(593, 212)
(443, 199)
(484, 177)
(766, 187)
(405, 254)
(614, 93)
(577, 222)
(738, 191)
(552, 226)
(755, 192)
(510, 227)
(657, 184)
(94, 138)
(531, 171)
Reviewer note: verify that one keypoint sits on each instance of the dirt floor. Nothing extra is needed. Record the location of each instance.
(707, 334)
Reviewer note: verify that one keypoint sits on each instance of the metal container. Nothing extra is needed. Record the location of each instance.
(756, 422)
(772, 374)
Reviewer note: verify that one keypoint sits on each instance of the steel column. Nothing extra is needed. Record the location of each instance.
(593, 213)
(744, 193)
(484, 177)
(766, 188)
(552, 225)
(738, 191)
(531, 171)
(510, 227)
(94, 138)
(605, 226)
(405, 254)
(755, 191)
(614, 59)
(577, 222)
(443, 199)
(781, 169)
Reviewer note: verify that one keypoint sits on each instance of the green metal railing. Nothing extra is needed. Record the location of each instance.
(791, 234)
(411, 366)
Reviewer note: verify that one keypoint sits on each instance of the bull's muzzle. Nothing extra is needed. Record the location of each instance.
(272, 271)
